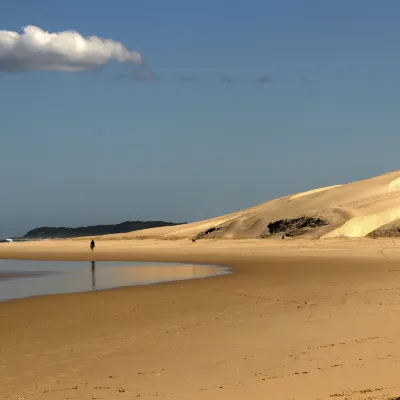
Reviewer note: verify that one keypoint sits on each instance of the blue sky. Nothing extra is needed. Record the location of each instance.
(99, 147)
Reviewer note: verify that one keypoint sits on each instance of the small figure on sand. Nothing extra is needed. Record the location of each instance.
(92, 245)
(193, 240)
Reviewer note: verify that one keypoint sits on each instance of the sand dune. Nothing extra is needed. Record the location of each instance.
(296, 196)
(355, 209)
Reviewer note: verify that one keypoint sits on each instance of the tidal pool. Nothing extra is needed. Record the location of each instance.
(20, 279)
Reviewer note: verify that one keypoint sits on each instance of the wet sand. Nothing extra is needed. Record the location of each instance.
(57, 277)
(295, 321)
(7, 275)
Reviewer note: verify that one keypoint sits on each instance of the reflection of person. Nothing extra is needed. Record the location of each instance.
(93, 274)
(92, 244)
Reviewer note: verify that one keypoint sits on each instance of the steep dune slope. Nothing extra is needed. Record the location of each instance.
(350, 210)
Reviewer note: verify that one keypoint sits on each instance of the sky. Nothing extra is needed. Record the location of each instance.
(184, 110)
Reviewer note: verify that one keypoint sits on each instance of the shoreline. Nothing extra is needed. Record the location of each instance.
(7, 275)
(222, 250)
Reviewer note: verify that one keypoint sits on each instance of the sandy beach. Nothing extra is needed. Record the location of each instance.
(296, 320)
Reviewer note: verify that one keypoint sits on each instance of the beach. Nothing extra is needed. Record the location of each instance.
(200, 200)
(296, 320)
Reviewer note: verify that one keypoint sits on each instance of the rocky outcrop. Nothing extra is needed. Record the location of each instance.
(294, 227)
(388, 230)
(207, 233)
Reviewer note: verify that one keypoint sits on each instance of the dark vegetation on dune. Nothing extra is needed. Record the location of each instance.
(389, 230)
(294, 227)
(206, 233)
(97, 230)
(286, 227)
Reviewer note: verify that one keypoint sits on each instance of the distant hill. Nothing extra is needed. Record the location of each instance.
(47, 232)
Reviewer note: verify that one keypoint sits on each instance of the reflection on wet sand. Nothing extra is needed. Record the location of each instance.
(93, 275)
(7, 275)
(73, 276)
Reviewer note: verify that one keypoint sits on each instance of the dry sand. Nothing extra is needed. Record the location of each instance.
(297, 320)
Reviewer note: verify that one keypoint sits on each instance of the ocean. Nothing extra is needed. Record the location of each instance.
(10, 240)
(5, 240)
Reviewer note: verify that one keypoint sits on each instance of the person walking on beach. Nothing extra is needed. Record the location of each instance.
(92, 244)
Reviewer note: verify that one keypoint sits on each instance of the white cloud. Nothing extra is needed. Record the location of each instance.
(35, 49)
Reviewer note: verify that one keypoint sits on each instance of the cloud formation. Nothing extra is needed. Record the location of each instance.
(137, 73)
(226, 79)
(144, 74)
(36, 49)
(264, 79)
(186, 78)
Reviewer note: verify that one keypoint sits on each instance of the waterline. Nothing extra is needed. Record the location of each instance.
(20, 279)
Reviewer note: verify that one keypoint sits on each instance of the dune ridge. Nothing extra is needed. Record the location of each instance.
(355, 209)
